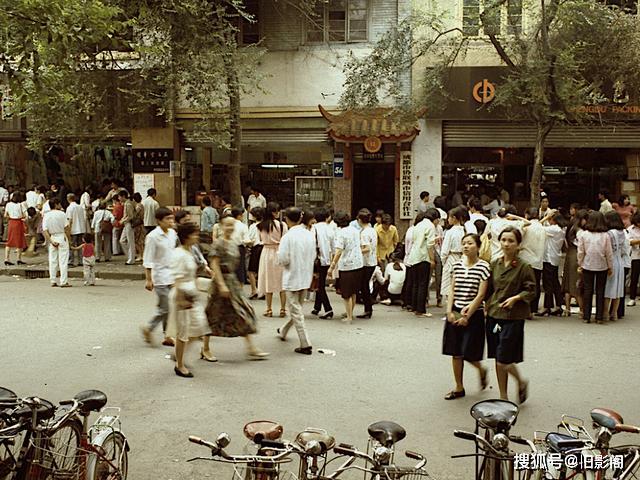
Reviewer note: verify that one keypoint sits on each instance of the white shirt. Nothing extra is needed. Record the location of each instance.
(241, 234)
(553, 248)
(150, 207)
(77, 218)
(634, 234)
(55, 222)
(470, 226)
(40, 201)
(348, 240)
(369, 237)
(533, 244)
(408, 243)
(254, 201)
(14, 210)
(325, 238)
(32, 199)
(4, 196)
(85, 201)
(158, 251)
(101, 215)
(254, 235)
(296, 253)
(396, 278)
(46, 207)
(493, 207)
(495, 227)
(452, 242)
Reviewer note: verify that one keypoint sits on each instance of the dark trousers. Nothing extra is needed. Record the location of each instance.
(241, 271)
(635, 276)
(594, 281)
(407, 288)
(551, 286)
(421, 272)
(535, 303)
(365, 293)
(322, 299)
(623, 299)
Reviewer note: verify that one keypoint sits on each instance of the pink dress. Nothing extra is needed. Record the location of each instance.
(269, 271)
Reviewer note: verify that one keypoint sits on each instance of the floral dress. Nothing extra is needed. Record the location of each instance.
(233, 316)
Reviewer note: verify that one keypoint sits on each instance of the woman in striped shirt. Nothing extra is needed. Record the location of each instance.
(463, 337)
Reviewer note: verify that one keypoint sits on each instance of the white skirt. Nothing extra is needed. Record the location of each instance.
(191, 323)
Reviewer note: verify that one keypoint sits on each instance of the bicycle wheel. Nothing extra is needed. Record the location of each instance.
(113, 464)
(56, 454)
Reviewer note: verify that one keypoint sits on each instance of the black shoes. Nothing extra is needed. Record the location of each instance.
(315, 312)
(181, 374)
(365, 315)
(304, 350)
(326, 315)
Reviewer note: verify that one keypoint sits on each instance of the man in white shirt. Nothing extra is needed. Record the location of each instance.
(325, 236)
(605, 204)
(551, 261)
(77, 228)
(475, 213)
(158, 251)
(498, 224)
(55, 227)
(85, 203)
(532, 249)
(296, 254)
(150, 205)
(424, 202)
(422, 260)
(369, 243)
(32, 197)
(256, 199)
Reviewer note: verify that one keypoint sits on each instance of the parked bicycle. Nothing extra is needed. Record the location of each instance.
(494, 459)
(57, 443)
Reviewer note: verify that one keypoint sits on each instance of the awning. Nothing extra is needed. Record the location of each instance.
(383, 123)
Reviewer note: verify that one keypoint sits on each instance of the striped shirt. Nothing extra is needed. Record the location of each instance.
(467, 281)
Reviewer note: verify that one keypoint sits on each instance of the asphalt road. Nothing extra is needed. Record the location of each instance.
(56, 342)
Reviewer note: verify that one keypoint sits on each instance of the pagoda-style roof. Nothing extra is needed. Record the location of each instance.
(384, 123)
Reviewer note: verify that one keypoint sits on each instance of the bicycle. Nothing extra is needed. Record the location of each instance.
(59, 444)
(494, 460)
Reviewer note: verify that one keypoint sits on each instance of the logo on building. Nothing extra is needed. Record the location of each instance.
(484, 91)
(372, 144)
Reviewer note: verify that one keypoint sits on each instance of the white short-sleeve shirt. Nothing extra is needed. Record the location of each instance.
(348, 240)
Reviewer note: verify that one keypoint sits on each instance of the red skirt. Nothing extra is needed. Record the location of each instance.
(16, 234)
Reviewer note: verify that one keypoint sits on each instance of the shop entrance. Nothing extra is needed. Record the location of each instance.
(374, 187)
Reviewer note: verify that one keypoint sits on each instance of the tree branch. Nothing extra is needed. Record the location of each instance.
(497, 44)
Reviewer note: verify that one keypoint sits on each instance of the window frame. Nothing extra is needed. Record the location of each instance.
(241, 25)
(325, 26)
(504, 20)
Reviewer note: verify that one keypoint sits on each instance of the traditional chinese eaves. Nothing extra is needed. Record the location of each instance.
(356, 126)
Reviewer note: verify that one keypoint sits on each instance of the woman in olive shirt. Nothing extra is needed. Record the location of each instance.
(513, 284)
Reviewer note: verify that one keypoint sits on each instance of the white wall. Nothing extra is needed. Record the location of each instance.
(427, 159)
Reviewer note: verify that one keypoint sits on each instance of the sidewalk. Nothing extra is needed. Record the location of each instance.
(38, 267)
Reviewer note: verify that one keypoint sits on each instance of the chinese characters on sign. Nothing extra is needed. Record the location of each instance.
(555, 461)
(143, 182)
(406, 185)
(152, 160)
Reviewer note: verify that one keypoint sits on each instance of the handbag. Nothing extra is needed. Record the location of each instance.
(105, 225)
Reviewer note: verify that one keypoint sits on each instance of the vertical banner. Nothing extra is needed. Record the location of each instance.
(406, 185)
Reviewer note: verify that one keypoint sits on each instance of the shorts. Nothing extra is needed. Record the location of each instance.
(466, 342)
(505, 340)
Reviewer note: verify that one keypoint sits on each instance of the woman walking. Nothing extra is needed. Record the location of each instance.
(463, 337)
(513, 284)
(570, 275)
(16, 216)
(269, 270)
(228, 311)
(349, 260)
(255, 251)
(451, 251)
(595, 262)
(187, 319)
(614, 288)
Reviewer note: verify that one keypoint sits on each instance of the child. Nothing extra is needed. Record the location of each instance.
(88, 258)
(33, 223)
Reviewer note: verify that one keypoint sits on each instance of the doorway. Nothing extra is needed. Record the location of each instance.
(374, 187)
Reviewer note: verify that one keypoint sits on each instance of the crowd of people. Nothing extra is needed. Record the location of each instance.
(486, 265)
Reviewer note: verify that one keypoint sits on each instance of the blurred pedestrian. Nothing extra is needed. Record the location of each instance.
(325, 239)
(150, 206)
(269, 271)
(16, 216)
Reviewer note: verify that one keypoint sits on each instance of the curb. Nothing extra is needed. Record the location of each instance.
(31, 273)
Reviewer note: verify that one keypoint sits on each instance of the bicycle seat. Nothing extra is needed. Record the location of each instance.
(263, 430)
(606, 418)
(326, 441)
(7, 395)
(497, 415)
(91, 400)
(562, 443)
(387, 433)
(44, 411)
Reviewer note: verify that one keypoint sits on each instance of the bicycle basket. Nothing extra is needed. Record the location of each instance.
(404, 474)
(56, 461)
(261, 472)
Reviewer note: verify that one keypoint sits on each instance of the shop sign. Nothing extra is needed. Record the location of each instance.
(372, 144)
(338, 166)
(484, 91)
(152, 160)
(406, 185)
(379, 155)
(143, 182)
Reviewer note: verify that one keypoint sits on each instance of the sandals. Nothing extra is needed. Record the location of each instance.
(268, 313)
(523, 392)
(283, 313)
(452, 395)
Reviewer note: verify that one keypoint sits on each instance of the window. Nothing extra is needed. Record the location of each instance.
(505, 20)
(628, 6)
(249, 31)
(338, 21)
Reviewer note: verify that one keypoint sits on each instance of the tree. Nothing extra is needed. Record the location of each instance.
(573, 54)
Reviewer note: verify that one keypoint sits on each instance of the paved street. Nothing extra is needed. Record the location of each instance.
(57, 342)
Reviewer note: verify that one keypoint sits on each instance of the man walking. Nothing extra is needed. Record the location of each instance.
(55, 227)
(422, 257)
(158, 250)
(77, 227)
(150, 205)
(369, 242)
(296, 254)
(128, 237)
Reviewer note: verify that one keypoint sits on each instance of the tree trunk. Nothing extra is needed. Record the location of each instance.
(542, 131)
(235, 131)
